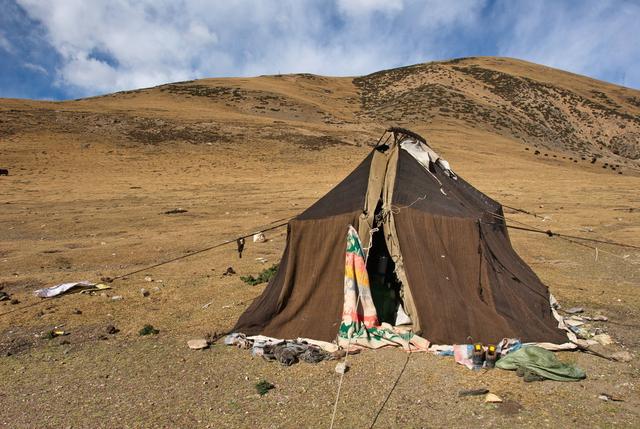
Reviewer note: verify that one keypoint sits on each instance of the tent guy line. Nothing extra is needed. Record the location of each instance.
(523, 211)
(286, 221)
(196, 252)
(552, 234)
(206, 249)
(530, 228)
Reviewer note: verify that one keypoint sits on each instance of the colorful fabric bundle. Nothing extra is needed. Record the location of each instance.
(358, 310)
(359, 318)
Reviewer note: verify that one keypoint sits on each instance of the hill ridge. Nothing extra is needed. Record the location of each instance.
(538, 106)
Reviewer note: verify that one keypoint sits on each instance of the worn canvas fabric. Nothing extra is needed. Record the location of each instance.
(462, 281)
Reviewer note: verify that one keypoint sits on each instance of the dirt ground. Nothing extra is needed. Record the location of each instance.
(81, 202)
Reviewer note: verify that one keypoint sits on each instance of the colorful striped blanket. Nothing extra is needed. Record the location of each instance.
(359, 318)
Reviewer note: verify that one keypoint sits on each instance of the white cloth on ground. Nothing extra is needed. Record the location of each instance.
(62, 288)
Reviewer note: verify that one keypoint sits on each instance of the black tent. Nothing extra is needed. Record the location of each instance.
(458, 278)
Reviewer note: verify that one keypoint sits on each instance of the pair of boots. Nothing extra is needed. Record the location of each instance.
(481, 357)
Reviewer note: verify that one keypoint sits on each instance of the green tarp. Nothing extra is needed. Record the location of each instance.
(542, 362)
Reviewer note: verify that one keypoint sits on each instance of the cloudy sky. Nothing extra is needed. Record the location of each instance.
(59, 49)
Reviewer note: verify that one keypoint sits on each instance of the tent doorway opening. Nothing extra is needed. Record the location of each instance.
(385, 286)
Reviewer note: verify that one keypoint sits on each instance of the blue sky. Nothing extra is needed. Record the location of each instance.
(60, 49)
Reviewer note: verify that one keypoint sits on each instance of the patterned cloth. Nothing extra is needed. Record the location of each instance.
(359, 318)
(358, 307)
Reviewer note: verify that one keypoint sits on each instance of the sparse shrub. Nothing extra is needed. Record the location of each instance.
(263, 386)
(148, 330)
(263, 277)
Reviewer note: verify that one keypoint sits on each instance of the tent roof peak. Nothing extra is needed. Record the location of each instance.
(398, 133)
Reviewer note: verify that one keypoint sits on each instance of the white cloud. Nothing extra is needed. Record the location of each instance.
(5, 44)
(35, 67)
(109, 46)
(113, 45)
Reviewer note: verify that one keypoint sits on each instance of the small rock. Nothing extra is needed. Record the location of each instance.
(473, 392)
(623, 356)
(607, 397)
(492, 398)
(259, 238)
(117, 298)
(176, 211)
(144, 292)
(111, 330)
(598, 318)
(198, 344)
(148, 279)
(341, 368)
(76, 311)
(340, 353)
(603, 339)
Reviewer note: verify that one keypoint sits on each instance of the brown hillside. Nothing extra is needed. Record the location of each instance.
(521, 101)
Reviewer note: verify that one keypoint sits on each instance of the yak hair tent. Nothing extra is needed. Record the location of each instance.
(424, 250)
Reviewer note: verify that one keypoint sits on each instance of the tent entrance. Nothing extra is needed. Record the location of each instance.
(385, 286)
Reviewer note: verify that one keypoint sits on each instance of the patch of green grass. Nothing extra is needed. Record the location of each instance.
(263, 386)
(263, 277)
(148, 330)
